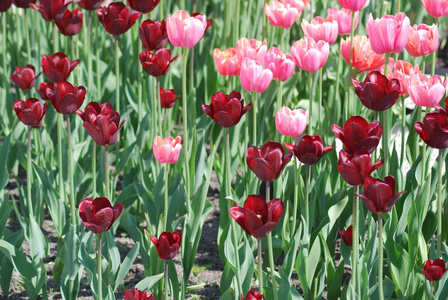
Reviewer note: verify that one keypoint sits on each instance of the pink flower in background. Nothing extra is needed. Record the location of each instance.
(299, 4)
(344, 18)
(254, 78)
(281, 14)
(423, 40)
(321, 29)
(291, 122)
(226, 62)
(363, 58)
(281, 65)
(353, 5)
(309, 55)
(436, 8)
(425, 91)
(253, 49)
(403, 71)
(184, 30)
(167, 150)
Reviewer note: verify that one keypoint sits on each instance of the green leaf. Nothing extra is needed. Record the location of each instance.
(148, 282)
(4, 152)
(126, 265)
(38, 242)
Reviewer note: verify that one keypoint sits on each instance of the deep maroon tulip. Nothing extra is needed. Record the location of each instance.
(226, 110)
(153, 34)
(168, 98)
(136, 294)
(24, 78)
(256, 216)
(5, 5)
(117, 18)
(252, 295)
(347, 236)
(31, 111)
(156, 64)
(168, 244)
(209, 21)
(70, 23)
(355, 168)
(51, 10)
(143, 6)
(434, 269)
(377, 92)
(434, 129)
(379, 196)
(58, 67)
(267, 163)
(66, 98)
(98, 215)
(358, 134)
(309, 150)
(23, 3)
(90, 4)
(42, 90)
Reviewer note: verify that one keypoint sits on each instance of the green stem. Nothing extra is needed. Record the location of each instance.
(296, 194)
(106, 171)
(117, 76)
(263, 34)
(398, 6)
(319, 109)
(380, 256)
(166, 281)
(159, 105)
(139, 80)
(432, 290)
(237, 22)
(403, 130)
(423, 64)
(307, 197)
(310, 92)
(439, 203)
(270, 250)
(94, 167)
(355, 245)
(260, 266)
(29, 175)
(254, 121)
(60, 161)
(88, 46)
(98, 266)
(55, 39)
(386, 63)
(165, 213)
(185, 127)
(70, 173)
(434, 55)
(27, 35)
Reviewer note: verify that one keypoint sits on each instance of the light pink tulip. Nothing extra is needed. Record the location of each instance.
(167, 150)
(309, 55)
(425, 91)
(254, 78)
(321, 29)
(353, 5)
(403, 71)
(280, 14)
(299, 4)
(185, 31)
(281, 65)
(344, 18)
(388, 34)
(436, 8)
(253, 49)
(423, 40)
(291, 122)
(226, 62)
(363, 58)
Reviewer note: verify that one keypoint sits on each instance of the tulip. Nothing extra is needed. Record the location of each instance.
(42, 90)
(281, 65)
(344, 18)
(425, 91)
(379, 196)
(347, 236)
(30, 112)
(58, 67)
(136, 294)
(25, 77)
(143, 6)
(168, 244)
(156, 64)
(358, 134)
(254, 78)
(309, 150)
(353, 5)
(436, 8)
(184, 30)
(226, 62)
(167, 150)
(423, 40)
(377, 92)
(5, 5)
(309, 55)
(252, 295)
(71, 22)
(66, 98)
(117, 18)
(257, 217)
(226, 110)
(298, 4)
(253, 49)
(403, 71)
(209, 21)
(90, 4)
(168, 98)
(363, 57)
(355, 168)
(23, 3)
(434, 129)
(268, 162)
(321, 29)
(388, 34)
(434, 269)
(291, 122)
(281, 14)
(98, 215)
(153, 34)
(51, 10)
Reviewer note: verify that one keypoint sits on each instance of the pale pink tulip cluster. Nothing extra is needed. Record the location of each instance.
(291, 122)
(254, 78)
(353, 5)
(343, 17)
(184, 30)
(403, 71)
(281, 14)
(423, 40)
(363, 58)
(321, 29)
(281, 65)
(436, 8)
(253, 49)
(425, 91)
(310, 55)
(226, 62)
(389, 34)
(167, 150)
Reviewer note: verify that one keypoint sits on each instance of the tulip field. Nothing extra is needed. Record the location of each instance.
(302, 141)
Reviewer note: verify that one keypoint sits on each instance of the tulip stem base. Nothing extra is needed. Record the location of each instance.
(70, 173)
(434, 55)
(94, 168)
(185, 126)
(165, 213)
(270, 250)
(439, 203)
(260, 266)
(254, 121)
(307, 198)
(98, 265)
(60, 162)
(310, 93)
(106, 172)
(355, 243)
(29, 175)
(117, 77)
(380, 256)
(166, 281)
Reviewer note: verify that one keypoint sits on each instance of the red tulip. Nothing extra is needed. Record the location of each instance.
(347, 236)
(66, 98)
(355, 168)
(168, 98)
(310, 149)
(51, 10)
(5, 5)
(257, 217)
(117, 18)
(31, 111)
(156, 64)
(434, 269)
(153, 34)
(90, 4)
(434, 129)
(268, 162)
(70, 23)
(143, 6)
(23, 3)
(226, 110)
(42, 90)
(24, 78)
(98, 215)
(252, 295)
(58, 67)
(136, 294)
(168, 244)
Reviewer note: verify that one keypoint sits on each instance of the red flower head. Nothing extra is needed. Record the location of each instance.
(168, 244)
(5, 5)
(257, 217)
(23, 3)
(90, 4)
(153, 34)
(156, 64)
(347, 236)
(136, 294)
(309, 150)
(252, 295)
(434, 129)
(66, 98)
(58, 67)
(226, 110)
(379, 196)
(358, 134)
(355, 168)
(24, 78)
(117, 18)
(168, 97)
(98, 215)
(31, 111)
(70, 23)
(434, 269)
(267, 163)
(42, 90)
(51, 10)
(143, 6)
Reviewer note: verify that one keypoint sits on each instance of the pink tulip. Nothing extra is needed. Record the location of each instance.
(321, 29)
(254, 78)
(291, 122)
(185, 31)
(353, 5)
(388, 34)
(344, 18)
(281, 14)
(167, 150)
(363, 58)
(281, 65)
(226, 62)
(423, 40)
(425, 91)
(253, 49)
(436, 8)
(403, 71)
(299, 4)
(309, 55)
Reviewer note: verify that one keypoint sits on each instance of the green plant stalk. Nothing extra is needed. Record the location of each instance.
(263, 34)
(117, 78)
(165, 213)
(307, 197)
(185, 127)
(88, 46)
(98, 267)
(432, 290)
(60, 162)
(310, 91)
(139, 79)
(319, 109)
(278, 137)
(380, 256)
(434, 55)
(296, 194)
(159, 106)
(423, 64)
(350, 69)
(94, 168)
(355, 244)
(55, 39)
(106, 171)
(27, 34)
(4, 40)
(29, 175)
(403, 130)
(166, 281)
(260, 266)
(236, 23)
(338, 67)
(254, 121)
(386, 131)
(70, 174)
(439, 203)
(398, 6)
(270, 250)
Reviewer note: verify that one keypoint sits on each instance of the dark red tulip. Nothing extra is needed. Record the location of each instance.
(71, 22)
(168, 97)
(58, 67)
(30, 112)
(377, 92)
(136, 294)
(66, 98)
(226, 110)
(5, 5)
(90, 4)
(309, 150)
(252, 295)
(23, 3)
(379, 196)
(51, 10)
(156, 64)
(209, 21)
(42, 90)
(143, 6)
(355, 168)
(257, 217)
(267, 163)
(153, 34)
(98, 215)
(168, 244)
(434, 129)
(347, 236)
(434, 269)
(101, 122)
(24, 78)
(117, 18)
(358, 134)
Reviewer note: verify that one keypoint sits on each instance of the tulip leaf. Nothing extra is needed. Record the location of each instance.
(126, 265)
(247, 265)
(123, 158)
(287, 290)
(38, 242)
(4, 153)
(148, 282)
